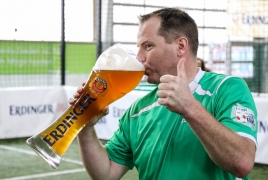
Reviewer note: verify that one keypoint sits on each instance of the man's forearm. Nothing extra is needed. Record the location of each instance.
(94, 154)
(226, 148)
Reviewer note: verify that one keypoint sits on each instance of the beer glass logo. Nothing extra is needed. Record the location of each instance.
(100, 85)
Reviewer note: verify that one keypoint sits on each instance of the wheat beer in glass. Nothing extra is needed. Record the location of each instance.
(115, 73)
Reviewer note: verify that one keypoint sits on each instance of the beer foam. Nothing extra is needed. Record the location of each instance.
(117, 57)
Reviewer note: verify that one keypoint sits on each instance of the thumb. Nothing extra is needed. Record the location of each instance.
(180, 68)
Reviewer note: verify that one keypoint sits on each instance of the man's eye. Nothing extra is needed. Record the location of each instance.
(148, 47)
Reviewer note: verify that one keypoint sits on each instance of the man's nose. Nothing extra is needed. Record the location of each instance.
(140, 57)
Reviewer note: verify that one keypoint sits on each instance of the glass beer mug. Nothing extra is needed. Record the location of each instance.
(115, 73)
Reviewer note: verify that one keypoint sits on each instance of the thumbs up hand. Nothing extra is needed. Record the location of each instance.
(174, 91)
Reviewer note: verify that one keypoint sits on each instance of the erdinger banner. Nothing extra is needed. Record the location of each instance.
(27, 111)
(247, 18)
(262, 149)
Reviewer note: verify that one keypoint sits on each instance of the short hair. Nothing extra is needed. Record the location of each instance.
(175, 23)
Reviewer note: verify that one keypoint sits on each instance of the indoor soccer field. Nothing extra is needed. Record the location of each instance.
(45, 56)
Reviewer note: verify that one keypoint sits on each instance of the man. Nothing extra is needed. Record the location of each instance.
(195, 125)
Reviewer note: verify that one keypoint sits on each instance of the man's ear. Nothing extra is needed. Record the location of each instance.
(182, 45)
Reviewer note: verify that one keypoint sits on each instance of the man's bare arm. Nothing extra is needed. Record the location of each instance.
(93, 153)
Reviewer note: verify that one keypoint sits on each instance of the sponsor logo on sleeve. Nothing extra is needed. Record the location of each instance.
(245, 116)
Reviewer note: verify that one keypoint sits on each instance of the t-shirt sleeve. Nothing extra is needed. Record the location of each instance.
(118, 147)
(235, 107)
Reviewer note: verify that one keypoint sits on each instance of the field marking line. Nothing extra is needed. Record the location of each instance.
(33, 153)
(46, 174)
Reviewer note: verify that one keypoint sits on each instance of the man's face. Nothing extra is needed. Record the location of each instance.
(158, 57)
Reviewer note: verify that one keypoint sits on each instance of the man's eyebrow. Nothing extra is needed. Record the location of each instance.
(144, 42)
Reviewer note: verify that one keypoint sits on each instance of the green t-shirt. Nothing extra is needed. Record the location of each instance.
(161, 144)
